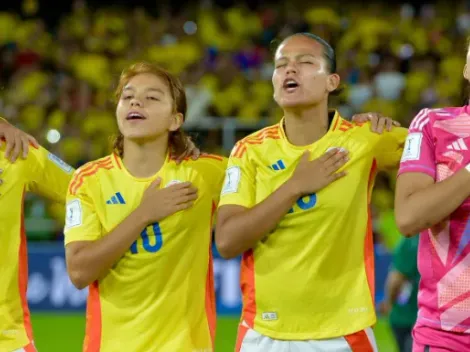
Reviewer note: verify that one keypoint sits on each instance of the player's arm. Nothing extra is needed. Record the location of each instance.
(89, 255)
(389, 148)
(241, 223)
(402, 270)
(420, 202)
(17, 141)
(213, 168)
(49, 175)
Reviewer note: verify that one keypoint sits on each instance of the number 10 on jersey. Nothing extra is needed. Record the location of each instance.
(148, 245)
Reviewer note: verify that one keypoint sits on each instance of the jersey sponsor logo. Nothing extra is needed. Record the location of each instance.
(232, 180)
(412, 150)
(73, 216)
(116, 199)
(459, 144)
(278, 165)
(60, 163)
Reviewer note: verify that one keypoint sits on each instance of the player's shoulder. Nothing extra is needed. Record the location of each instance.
(264, 134)
(341, 125)
(203, 158)
(92, 170)
(428, 116)
(39, 157)
(206, 163)
(257, 139)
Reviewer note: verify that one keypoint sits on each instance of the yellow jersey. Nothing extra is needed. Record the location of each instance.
(159, 296)
(313, 276)
(43, 173)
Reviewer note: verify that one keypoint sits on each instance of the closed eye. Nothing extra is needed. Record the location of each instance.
(127, 97)
(280, 65)
(153, 98)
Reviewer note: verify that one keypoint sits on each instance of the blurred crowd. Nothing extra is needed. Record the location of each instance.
(57, 81)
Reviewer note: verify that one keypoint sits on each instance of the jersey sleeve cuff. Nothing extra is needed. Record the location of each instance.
(417, 168)
(234, 202)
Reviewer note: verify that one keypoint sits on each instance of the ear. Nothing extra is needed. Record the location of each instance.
(332, 82)
(466, 73)
(176, 122)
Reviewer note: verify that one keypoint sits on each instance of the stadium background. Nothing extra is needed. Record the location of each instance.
(59, 62)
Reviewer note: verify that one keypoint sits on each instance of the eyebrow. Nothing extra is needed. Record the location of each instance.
(158, 90)
(299, 56)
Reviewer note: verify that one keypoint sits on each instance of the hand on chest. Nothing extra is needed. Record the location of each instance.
(338, 195)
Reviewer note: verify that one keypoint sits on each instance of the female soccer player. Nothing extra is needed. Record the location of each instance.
(431, 198)
(37, 171)
(303, 225)
(138, 227)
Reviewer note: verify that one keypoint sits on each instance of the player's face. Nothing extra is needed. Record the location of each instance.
(146, 109)
(301, 76)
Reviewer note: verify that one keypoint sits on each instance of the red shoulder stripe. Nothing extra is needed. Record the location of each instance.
(88, 171)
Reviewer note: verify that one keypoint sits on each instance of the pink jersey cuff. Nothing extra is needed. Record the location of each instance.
(417, 168)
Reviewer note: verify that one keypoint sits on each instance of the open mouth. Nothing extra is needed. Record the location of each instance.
(290, 85)
(135, 116)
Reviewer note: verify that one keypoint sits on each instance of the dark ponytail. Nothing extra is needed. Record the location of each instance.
(178, 142)
(118, 145)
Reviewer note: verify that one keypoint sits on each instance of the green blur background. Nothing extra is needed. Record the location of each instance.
(64, 332)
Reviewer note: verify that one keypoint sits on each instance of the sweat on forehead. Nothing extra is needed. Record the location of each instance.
(300, 42)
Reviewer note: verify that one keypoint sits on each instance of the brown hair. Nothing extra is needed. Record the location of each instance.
(177, 140)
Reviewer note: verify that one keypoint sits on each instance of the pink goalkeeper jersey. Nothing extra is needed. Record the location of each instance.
(438, 145)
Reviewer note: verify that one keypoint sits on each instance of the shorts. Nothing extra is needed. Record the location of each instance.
(250, 341)
(430, 339)
(27, 348)
(403, 338)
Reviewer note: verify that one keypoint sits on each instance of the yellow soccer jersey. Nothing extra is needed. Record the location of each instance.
(159, 296)
(313, 277)
(43, 173)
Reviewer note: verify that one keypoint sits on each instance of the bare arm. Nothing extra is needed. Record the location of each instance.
(420, 203)
(393, 286)
(88, 261)
(238, 228)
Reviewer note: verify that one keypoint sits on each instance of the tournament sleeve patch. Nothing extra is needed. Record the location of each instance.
(73, 217)
(412, 149)
(232, 180)
(60, 163)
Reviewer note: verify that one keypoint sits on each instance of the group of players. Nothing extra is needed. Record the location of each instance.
(292, 199)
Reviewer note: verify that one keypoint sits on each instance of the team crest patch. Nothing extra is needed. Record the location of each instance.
(232, 180)
(73, 216)
(173, 182)
(339, 149)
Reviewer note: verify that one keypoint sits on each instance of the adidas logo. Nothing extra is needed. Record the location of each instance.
(459, 144)
(116, 199)
(278, 165)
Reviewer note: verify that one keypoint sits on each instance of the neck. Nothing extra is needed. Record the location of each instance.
(305, 126)
(145, 159)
